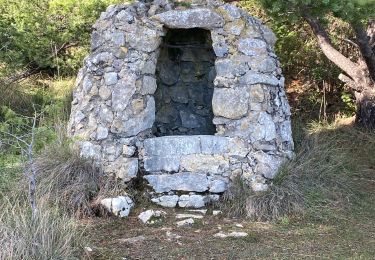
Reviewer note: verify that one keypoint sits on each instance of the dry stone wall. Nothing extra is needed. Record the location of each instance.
(114, 113)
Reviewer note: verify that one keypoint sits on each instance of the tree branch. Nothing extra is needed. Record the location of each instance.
(344, 63)
(371, 33)
(348, 81)
(31, 70)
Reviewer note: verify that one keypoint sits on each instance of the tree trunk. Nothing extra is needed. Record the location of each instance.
(365, 115)
(360, 75)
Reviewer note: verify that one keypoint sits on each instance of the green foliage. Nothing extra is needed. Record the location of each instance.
(349, 10)
(13, 125)
(50, 34)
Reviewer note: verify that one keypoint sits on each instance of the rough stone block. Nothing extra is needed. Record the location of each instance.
(165, 164)
(252, 47)
(191, 201)
(172, 145)
(214, 164)
(169, 201)
(119, 206)
(124, 168)
(218, 186)
(192, 18)
(212, 144)
(185, 181)
(230, 103)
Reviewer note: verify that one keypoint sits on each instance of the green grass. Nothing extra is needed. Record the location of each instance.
(10, 172)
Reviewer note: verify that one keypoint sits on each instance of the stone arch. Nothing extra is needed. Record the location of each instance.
(113, 110)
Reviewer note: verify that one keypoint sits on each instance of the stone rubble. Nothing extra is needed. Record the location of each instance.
(118, 121)
(235, 234)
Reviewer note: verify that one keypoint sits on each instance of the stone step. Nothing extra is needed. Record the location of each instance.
(187, 181)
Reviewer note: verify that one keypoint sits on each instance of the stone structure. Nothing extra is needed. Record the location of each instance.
(186, 97)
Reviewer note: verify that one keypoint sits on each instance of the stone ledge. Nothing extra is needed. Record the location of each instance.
(200, 17)
(184, 181)
(167, 146)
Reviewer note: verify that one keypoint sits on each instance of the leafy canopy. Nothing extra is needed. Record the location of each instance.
(349, 10)
(34, 32)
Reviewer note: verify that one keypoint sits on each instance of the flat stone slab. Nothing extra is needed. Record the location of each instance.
(178, 145)
(171, 146)
(185, 181)
(200, 17)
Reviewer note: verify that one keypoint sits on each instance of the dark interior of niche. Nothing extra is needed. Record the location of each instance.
(185, 72)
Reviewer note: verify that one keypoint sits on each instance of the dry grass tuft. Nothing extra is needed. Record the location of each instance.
(67, 180)
(319, 178)
(51, 235)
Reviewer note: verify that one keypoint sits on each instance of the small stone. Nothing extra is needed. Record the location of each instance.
(191, 201)
(179, 94)
(218, 186)
(148, 85)
(179, 216)
(169, 201)
(267, 164)
(124, 168)
(132, 240)
(79, 116)
(110, 78)
(185, 223)
(202, 211)
(216, 212)
(101, 133)
(88, 249)
(231, 234)
(128, 150)
(145, 216)
(119, 206)
(221, 48)
(105, 92)
(252, 47)
(252, 78)
(89, 150)
(230, 12)
(258, 184)
(171, 235)
(235, 27)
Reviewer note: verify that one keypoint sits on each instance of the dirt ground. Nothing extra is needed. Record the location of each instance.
(328, 233)
(345, 238)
